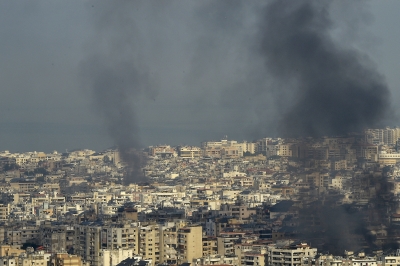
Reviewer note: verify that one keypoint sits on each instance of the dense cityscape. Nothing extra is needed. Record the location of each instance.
(308, 174)
(279, 202)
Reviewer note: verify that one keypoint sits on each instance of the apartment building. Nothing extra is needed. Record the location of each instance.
(13, 237)
(290, 256)
(236, 210)
(168, 244)
(149, 242)
(189, 152)
(38, 259)
(10, 251)
(163, 151)
(114, 257)
(56, 238)
(29, 234)
(218, 260)
(226, 242)
(255, 259)
(386, 136)
(88, 243)
(210, 246)
(391, 261)
(65, 259)
(8, 261)
(189, 243)
(251, 254)
(124, 237)
(4, 212)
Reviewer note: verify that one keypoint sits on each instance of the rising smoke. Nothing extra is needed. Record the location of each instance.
(287, 67)
(290, 63)
(329, 89)
(117, 76)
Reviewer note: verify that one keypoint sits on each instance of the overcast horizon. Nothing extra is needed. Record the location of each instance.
(196, 56)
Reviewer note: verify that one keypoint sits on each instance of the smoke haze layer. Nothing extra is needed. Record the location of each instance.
(329, 89)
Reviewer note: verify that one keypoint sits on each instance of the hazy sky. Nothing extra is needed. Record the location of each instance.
(196, 56)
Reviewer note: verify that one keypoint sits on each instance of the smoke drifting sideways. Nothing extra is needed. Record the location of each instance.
(329, 89)
(116, 78)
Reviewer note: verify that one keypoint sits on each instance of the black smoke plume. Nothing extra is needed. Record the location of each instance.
(117, 77)
(329, 89)
(362, 222)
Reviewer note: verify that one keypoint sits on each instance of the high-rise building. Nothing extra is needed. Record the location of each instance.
(189, 243)
(88, 243)
(149, 242)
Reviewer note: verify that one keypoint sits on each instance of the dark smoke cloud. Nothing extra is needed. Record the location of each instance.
(329, 89)
(117, 77)
(362, 223)
(246, 68)
(282, 68)
(331, 228)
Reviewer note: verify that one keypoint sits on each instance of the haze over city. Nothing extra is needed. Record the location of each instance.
(204, 77)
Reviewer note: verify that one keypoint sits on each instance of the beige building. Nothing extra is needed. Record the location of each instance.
(210, 246)
(114, 257)
(255, 259)
(8, 261)
(388, 158)
(125, 237)
(4, 212)
(189, 152)
(249, 253)
(214, 152)
(218, 260)
(168, 244)
(227, 148)
(226, 242)
(117, 242)
(64, 259)
(337, 182)
(337, 165)
(290, 255)
(7, 250)
(23, 186)
(391, 261)
(231, 152)
(237, 210)
(190, 243)
(149, 243)
(38, 259)
(285, 150)
(162, 151)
